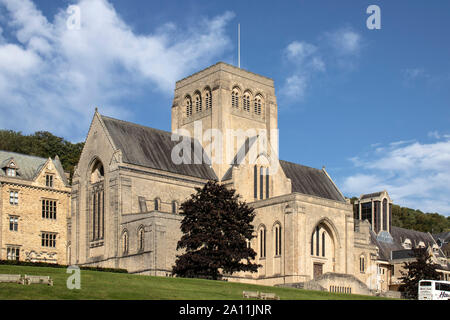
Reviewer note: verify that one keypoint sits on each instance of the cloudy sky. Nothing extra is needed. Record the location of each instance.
(373, 106)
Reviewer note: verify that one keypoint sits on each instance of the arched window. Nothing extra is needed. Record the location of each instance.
(362, 264)
(261, 183)
(157, 204)
(246, 102)
(235, 98)
(267, 183)
(317, 240)
(257, 105)
(188, 106)
(208, 99)
(97, 201)
(125, 242)
(198, 103)
(141, 239)
(174, 207)
(262, 242)
(255, 182)
(277, 240)
(323, 244)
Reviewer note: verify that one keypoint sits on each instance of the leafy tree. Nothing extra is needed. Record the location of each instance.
(216, 228)
(422, 268)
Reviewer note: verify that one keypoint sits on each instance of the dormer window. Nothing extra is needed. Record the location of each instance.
(407, 244)
(11, 172)
(421, 244)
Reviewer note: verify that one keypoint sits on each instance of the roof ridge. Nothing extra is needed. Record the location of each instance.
(25, 155)
(302, 165)
(134, 124)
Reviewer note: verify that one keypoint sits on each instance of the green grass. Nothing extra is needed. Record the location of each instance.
(106, 285)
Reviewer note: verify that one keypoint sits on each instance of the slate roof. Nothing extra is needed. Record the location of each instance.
(443, 236)
(371, 195)
(152, 148)
(311, 181)
(28, 166)
(399, 235)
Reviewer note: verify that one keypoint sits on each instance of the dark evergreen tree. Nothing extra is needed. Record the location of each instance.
(422, 268)
(216, 229)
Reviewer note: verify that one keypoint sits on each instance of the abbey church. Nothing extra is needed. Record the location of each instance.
(127, 190)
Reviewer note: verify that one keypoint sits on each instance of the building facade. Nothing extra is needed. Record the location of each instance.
(34, 209)
(131, 179)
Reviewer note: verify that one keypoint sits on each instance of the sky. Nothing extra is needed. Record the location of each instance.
(371, 105)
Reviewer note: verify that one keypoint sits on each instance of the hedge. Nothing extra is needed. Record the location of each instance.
(54, 265)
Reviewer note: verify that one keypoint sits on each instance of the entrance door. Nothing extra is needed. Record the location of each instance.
(318, 270)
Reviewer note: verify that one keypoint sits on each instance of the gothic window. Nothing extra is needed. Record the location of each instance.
(262, 242)
(235, 98)
(257, 105)
(141, 239)
(277, 240)
(261, 183)
(125, 242)
(366, 211)
(385, 209)
(317, 240)
(208, 99)
(97, 201)
(255, 182)
(246, 102)
(198, 103)
(267, 183)
(323, 244)
(188, 106)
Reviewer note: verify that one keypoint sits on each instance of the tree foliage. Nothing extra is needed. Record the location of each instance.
(422, 268)
(42, 144)
(216, 228)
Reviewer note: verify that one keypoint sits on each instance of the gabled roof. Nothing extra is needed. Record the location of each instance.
(394, 249)
(152, 148)
(28, 166)
(311, 181)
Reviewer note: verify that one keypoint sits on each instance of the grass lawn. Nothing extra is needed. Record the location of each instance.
(106, 285)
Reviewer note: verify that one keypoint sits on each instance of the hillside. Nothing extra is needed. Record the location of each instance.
(112, 286)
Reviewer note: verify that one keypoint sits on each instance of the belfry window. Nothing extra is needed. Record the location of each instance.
(246, 102)
(235, 98)
(257, 105)
(188, 107)
(255, 182)
(198, 103)
(125, 242)
(208, 99)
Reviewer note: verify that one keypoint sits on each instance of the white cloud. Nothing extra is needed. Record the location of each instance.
(345, 41)
(52, 77)
(307, 60)
(415, 174)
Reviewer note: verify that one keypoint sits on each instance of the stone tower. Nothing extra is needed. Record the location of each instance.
(224, 97)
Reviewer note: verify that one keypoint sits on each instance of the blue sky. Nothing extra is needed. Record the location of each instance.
(370, 105)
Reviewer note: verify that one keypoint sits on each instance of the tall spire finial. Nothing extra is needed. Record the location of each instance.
(239, 45)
